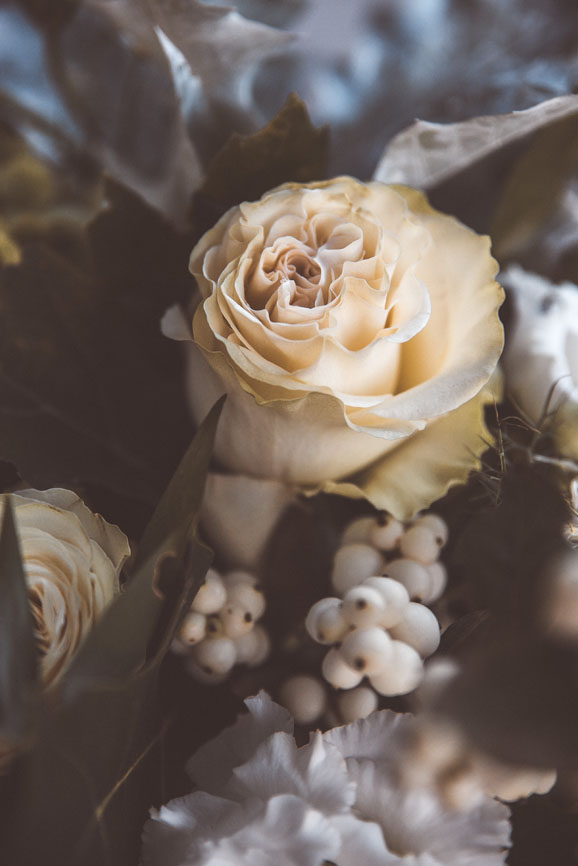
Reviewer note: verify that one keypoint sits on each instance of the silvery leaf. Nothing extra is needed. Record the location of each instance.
(427, 154)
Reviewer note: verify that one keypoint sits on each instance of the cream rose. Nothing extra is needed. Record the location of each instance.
(354, 329)
(541, 361)
(72, 559)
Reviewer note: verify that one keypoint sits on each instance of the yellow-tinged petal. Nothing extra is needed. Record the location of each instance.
(423, 467)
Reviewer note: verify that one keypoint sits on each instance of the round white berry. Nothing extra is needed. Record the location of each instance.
(357, 704)
(439, 579)
(403, 673)
(304, 697)
(394, 595)
(358, 531)
(436, 524)
(240, 576)
(204, 676)
(363, 606)
(253, 648)
(179, 648)
(236, 620)
(419, 543)
(212, 594)
(247, 598)
(215, 656)
(193, 628)
(414, 576)
(338, 673)
(325, 622)
(353, 563)
(367, 650)
(419, 628)
(386, 533)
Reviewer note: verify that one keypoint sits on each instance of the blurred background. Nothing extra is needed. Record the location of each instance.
(370, 67)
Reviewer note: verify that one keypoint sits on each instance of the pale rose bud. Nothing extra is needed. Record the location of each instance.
(72, 561)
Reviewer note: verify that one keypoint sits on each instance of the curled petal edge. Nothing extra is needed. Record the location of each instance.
(424, 467)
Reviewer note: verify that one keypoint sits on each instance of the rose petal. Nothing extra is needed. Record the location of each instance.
(423, 468)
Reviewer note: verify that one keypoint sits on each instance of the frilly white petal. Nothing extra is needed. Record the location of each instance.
(201, 830)
(212, 765)
(362, 842)
(541, 359)
(315, 772)
(339, 799)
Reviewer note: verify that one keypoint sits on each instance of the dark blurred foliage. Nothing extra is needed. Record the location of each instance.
(382, 63)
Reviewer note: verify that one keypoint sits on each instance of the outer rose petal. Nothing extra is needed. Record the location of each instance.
(110, 538)
(425, 466)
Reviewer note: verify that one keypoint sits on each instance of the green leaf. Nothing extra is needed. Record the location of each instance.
(84, 396)
(289, 148)
(534, 186)
(96, 769)
(182, 498)
(18, 653)
(117, 646)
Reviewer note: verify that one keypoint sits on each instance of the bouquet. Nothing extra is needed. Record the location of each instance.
(289, 439)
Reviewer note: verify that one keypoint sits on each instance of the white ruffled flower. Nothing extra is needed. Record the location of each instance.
(266, 802)
(541, 358)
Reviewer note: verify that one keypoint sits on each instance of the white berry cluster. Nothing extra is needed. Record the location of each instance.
(379, 627)
(221, 630)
